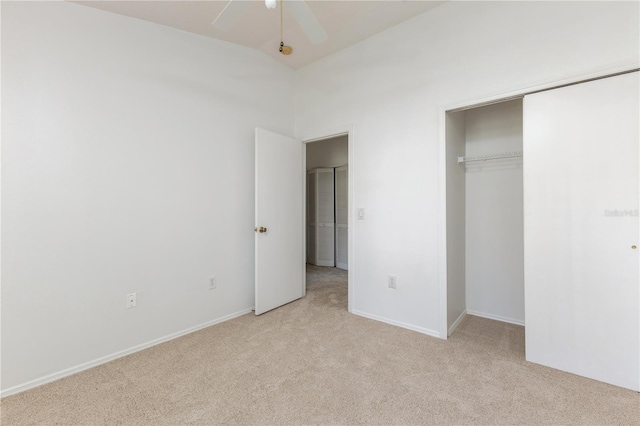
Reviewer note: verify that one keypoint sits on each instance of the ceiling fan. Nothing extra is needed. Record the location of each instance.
(298, 8)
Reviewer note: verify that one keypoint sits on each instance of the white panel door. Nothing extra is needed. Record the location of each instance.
(321, 217)
(279, 251)
(311, 218)
(342, 215)
(581, 229)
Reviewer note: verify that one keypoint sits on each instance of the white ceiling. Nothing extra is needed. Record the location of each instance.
(346, 22)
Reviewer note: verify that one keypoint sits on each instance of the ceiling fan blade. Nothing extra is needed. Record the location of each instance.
(307, 21)
(229, 15)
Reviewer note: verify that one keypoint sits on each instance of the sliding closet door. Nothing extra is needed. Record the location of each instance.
(311, 217)
(581, 229)
(342, 215)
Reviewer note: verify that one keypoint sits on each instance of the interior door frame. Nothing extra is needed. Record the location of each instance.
(442, 146)
(319, 136)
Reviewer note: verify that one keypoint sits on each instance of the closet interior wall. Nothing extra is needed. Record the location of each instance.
(485, 223)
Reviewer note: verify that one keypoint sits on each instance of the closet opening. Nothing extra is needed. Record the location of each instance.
(484, 213)
(326, 219)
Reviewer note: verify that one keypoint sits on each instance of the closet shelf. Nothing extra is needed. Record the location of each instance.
(489, 157)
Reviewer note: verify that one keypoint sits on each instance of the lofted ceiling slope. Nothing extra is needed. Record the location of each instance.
(346, 22)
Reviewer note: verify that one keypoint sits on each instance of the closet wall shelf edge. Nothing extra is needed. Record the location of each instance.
(489, 157)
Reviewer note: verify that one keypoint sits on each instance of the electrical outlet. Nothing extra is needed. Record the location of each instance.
(213, 282)
(131, 300)
(392, 281)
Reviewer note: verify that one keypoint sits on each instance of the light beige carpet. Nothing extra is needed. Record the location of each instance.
(311, 362)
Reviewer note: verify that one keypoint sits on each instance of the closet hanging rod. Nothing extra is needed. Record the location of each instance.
(488, 157)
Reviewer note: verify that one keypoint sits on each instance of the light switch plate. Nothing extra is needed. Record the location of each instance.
(392, 281)
(131, 300)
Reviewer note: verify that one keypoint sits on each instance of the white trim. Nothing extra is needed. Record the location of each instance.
(442, 145)
(495, 317)
(456, 323)
(329, 134)
(442, 226)
(350, 212)
(411, 327)
(304, 219)
(103, 360)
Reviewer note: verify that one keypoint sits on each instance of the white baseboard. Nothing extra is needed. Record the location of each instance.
(102, 360)
(456, 323)
(342, 266)
(495, 317)
(398, 323)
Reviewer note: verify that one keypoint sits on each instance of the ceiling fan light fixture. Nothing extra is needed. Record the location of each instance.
(285, 50)
(270, 4)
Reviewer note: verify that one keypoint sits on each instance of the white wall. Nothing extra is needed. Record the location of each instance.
(332, 152)
(456, 285)
(127, 166)
(391, 88)
(494, 214)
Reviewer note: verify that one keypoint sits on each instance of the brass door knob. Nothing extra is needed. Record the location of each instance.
(634, 247)
(261, 229)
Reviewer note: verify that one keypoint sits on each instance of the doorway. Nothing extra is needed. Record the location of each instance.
(485, 223)
(327, 219)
